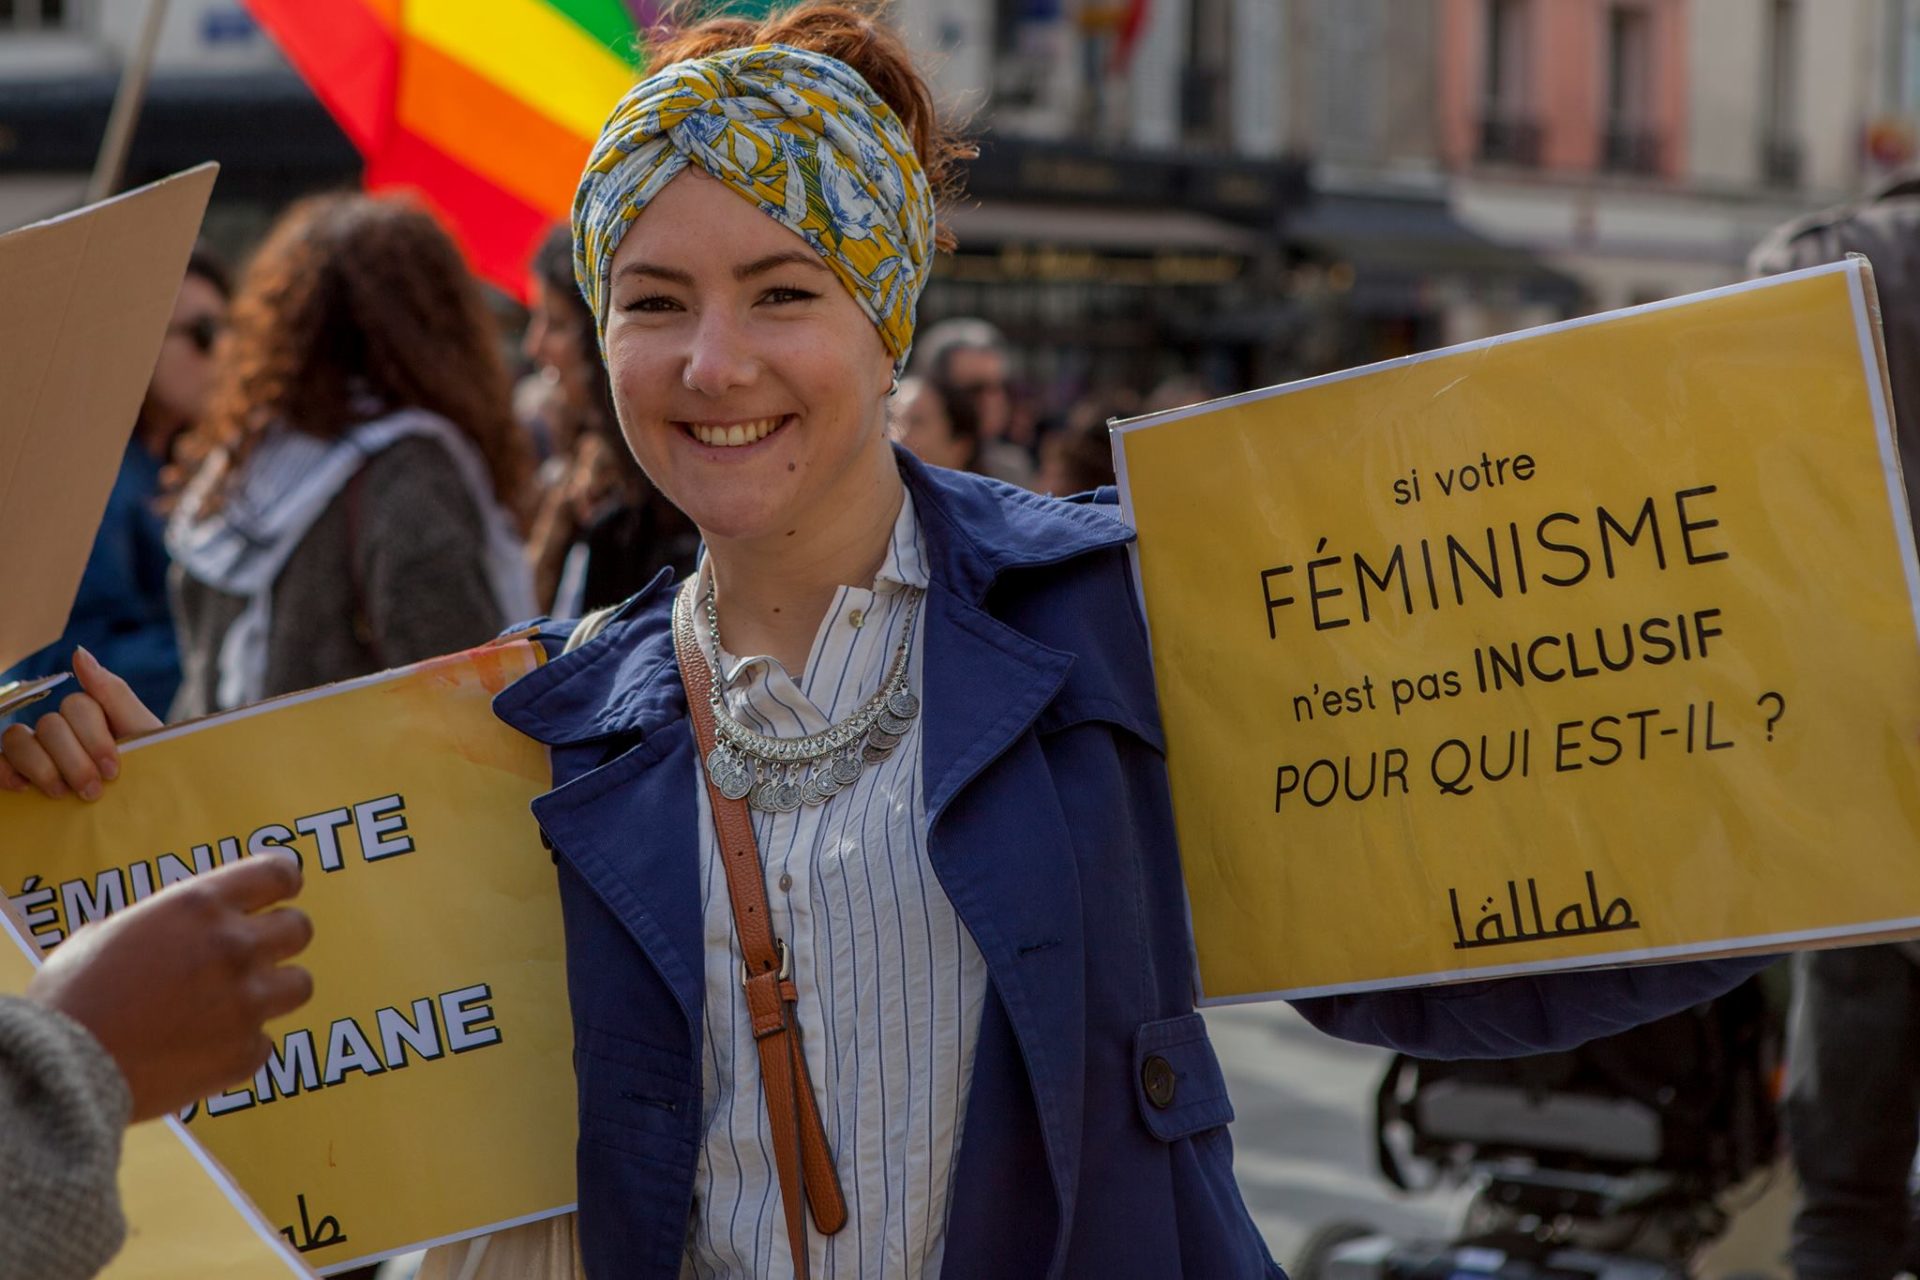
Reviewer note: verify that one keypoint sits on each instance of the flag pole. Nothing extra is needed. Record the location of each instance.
(111, 164)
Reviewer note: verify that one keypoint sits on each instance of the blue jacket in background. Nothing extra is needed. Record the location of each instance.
(1052, 833)
(121, 613)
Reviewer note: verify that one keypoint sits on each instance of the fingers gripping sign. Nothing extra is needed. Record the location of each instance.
(75, 749)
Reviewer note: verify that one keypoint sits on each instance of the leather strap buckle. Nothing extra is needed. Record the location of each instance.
(786, 964)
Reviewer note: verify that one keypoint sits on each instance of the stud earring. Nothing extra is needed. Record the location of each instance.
(894, 390)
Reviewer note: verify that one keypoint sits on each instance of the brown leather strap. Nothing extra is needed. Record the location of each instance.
(808, 1180)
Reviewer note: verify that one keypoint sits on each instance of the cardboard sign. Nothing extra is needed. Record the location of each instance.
(1591, 644)
(426, 1093)
(184, 1215)
(88, 297)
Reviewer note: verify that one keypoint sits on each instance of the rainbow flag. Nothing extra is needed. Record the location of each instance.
(486, 108)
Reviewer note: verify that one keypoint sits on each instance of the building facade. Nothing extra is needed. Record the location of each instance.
(219, 91)
(1248, 189)
(1124, 221)
(1643, 146)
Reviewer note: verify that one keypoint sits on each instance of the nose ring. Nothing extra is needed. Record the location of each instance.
(686, 379)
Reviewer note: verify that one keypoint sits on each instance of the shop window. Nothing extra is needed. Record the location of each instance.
(1509, 134)
(37, 15)
(1630, 143)
(1780, 132)
(1204, 81)
(1354, 35)
(1025, 39)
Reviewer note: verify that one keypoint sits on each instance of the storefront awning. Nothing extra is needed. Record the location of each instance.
(996, 223)
(265, 128)
(1400, 246)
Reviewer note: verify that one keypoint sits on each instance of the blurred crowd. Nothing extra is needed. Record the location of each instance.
(495, 474)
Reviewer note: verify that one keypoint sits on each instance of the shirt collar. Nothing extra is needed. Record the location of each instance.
(905, 566)
(906, 562)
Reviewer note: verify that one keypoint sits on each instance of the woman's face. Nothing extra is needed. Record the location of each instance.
(750, 385)
(556, 344)
(183, 374)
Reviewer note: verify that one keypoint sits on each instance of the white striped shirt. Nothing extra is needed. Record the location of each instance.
(890, 983)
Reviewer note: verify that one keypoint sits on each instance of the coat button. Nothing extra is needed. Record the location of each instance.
(1156, 1076)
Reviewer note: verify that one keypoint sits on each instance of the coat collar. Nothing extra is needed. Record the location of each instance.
(976, 529)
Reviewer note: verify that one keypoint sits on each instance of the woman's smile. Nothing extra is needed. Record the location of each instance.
(736, 434)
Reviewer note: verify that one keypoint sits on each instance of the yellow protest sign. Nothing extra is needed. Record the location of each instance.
(1591, 644)
(184, 1216)
(426, 1093)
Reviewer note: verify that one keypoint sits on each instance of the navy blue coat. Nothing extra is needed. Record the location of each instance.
(1052, 833)
(121, 613)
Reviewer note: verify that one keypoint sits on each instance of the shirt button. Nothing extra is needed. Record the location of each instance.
(856, 618)
(786, 883)
(1158, 1079)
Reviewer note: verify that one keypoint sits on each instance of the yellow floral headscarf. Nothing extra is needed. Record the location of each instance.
(799, 134)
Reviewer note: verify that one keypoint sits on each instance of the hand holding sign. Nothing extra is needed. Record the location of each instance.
(74, 748)
(177, 988)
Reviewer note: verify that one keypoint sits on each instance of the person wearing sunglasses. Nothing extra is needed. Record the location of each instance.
(121, 613)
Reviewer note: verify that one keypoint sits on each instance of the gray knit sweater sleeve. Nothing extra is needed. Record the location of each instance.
(63, 1108)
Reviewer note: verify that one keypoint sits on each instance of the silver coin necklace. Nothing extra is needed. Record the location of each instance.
(778, 775)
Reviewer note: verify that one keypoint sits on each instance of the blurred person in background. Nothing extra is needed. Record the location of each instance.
(120, 613)
(938, 426)
(1075, 461)
(353, 472)
(601, 531)
(1176, 392)
(969, 358)
(1077, 455)
(1853, 1036)
(555, 401)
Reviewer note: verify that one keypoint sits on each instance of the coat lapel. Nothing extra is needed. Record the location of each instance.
(1004, 855)
(629, 829)
(999, 841)
(624, 821)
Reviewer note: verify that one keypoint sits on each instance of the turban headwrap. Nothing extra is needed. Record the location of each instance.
(800, 135)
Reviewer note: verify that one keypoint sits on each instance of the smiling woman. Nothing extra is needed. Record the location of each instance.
(753, 391)
(886, 771)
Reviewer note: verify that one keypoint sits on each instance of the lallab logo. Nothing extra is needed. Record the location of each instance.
(314, 1235)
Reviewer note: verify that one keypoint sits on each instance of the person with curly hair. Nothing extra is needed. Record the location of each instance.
(352, 477)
